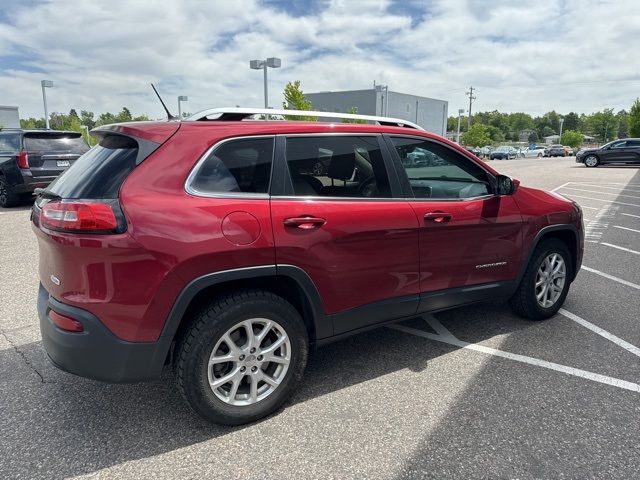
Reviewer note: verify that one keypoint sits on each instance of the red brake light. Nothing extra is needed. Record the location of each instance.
(78, 217)
(23, 159)
(65, 323)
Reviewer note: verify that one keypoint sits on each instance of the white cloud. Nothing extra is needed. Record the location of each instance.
(521, 55)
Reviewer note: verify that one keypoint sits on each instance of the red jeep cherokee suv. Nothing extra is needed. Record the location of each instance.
(227, 248)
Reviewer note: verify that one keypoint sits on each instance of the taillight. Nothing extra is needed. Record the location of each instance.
(23, 159)
(79, 217)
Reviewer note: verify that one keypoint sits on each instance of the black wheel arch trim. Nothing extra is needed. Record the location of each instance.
(323, 328)
(536, 240)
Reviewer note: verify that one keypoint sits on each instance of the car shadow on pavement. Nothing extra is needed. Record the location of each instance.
(59, 425)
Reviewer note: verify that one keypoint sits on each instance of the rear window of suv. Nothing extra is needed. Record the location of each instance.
(58, 143)
(99, 173)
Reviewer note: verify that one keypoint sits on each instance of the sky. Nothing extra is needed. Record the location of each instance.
(521, 55)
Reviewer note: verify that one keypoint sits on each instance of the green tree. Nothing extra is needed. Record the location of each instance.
(533, 137)
(604, 125)
(547, 132)
(86, 118)
(571, 121)
(623, 123)
(571, 138)
(476, 136)
(520, 121)
(353, 111)
(634, 119)
(295, 100)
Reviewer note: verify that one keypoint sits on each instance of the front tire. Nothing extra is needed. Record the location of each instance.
(241, 357)
(591, 161)
(545, 283)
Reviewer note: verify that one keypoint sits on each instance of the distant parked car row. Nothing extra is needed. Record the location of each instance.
(507, 152)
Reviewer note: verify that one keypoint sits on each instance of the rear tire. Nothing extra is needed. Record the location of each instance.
(8, 198)
(220, 331)
(591, 161)
(526, 300)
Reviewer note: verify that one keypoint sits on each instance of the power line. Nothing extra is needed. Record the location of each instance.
(472, 97)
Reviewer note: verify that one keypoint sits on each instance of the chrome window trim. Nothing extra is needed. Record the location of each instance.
(188, 184)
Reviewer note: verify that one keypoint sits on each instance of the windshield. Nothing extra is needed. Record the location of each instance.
(59, 143)
(503, 149)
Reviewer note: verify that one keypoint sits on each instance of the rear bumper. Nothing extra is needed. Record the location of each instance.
(30, 183)
(96, 352)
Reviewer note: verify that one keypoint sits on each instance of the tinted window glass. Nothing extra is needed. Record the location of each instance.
(237, 166)
(9, 142)
(100, 172)
(619, 144)
(633, 143)
(337, 166)
(438, 172)
(59, 143)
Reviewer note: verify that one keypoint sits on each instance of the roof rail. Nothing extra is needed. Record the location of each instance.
(231, 114)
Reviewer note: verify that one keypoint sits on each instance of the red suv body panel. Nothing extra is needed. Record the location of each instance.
(367, 252)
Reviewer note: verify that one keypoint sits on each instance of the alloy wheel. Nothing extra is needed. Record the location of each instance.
(550, 280)
(249, 362)
(3, 193)
(591, 161)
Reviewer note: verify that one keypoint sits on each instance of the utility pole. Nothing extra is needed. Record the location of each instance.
(472, 97)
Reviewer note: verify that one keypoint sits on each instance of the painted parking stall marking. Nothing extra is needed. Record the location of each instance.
(445, 336)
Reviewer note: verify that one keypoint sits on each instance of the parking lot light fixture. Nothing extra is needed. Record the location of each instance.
(271, 62)
(46, 84)
(181, 98)
(560, 136)
(460, 112)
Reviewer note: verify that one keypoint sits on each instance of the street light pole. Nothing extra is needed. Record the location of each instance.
(271, 62)
(561, 122)
(46, 84)
(460, 112)
(181, 98)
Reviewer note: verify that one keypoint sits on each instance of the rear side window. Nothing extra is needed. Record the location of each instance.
(9, 143)
(99, 173)
(59, 143)
(235, 167)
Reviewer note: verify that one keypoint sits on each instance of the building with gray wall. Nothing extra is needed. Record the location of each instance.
(9, 117)
(429, 113)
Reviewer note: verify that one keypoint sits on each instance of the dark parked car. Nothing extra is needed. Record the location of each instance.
(556, 151)
(210, 246)
(31, 159)
(504, 152)
(625, 151)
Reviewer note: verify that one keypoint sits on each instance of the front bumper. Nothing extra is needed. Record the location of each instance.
(96, 352)
(580, 158)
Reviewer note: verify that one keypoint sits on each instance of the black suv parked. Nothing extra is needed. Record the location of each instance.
(31, 159)
(618, 151)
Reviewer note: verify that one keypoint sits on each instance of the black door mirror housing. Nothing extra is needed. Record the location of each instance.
(505, 185)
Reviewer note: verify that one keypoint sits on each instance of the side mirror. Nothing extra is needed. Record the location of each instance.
(506, 186)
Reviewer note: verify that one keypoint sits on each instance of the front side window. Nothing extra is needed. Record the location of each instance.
(337, 166)
(438, 172)
(235, 167)
(619, 144)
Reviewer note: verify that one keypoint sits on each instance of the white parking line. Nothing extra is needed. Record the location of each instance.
(601, 193)
(626, 228)
(620, 248)
(604, 186)
(618, 183)
(602, 332)
(558, 188)
(590, 208)
(629, 215)
(451, 340)
(606, 200)
(611, 277)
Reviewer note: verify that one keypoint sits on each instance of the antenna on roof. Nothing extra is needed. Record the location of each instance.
(169, 116)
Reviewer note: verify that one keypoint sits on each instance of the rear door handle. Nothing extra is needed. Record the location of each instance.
(438, 217)
(304, 222)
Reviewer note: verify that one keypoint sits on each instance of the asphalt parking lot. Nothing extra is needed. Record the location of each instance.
(470, 393)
